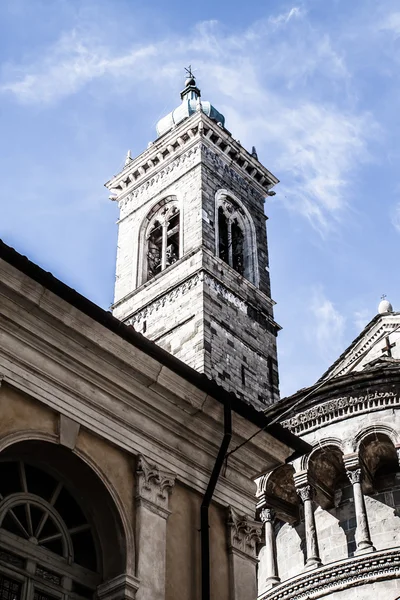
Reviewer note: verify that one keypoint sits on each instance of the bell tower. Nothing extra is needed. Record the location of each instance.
(192, 264)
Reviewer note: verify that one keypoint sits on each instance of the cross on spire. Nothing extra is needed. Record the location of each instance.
(189, 71)
(388, 346)
(383, 297)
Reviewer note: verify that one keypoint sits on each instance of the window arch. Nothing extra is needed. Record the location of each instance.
(47, 546)
(162, 238)
(235, 237)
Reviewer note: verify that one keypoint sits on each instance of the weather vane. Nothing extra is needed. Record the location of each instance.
(189, 71)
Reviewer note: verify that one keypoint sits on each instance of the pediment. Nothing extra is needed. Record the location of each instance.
(377, 347)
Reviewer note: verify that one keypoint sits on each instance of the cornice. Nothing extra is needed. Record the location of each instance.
(337, 576)
(160, 153)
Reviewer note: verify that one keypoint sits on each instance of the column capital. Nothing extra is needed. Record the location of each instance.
(267, 515)
(244, 533)
(305, 492)
(153, 486)
(355, 475)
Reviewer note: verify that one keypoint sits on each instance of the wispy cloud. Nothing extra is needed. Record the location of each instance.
(270, 79)
(328, 325)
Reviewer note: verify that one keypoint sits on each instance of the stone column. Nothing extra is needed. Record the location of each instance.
(243, 536)
(363, 537)
(306, 493)
(153, 487)
(267, 516)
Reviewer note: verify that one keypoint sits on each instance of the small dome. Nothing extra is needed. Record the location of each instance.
(190, 98)
(384, 306)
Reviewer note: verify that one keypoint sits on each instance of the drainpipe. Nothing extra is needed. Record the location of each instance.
(204, 525)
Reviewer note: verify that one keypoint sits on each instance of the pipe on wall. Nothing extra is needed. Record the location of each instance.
(204, 509)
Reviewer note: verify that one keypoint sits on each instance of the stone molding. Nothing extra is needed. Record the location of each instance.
(340, 408)
(153, 486)
(122, 587)
(196, 128)
(165, 299)
(183, 288)
(244, 534)
(337, 576)
(159, 180)
(344, 366)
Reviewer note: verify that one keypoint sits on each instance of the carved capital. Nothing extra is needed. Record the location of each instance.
(267, 515)
(355, 476)
(306, 492)
(244, 533)
(153, 485)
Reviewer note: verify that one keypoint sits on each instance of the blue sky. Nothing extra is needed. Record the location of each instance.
(314, 85)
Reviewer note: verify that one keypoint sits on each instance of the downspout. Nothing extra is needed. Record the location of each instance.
(204, 524)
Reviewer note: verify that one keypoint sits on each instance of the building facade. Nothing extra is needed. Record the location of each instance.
(332, 517)
(192, 266)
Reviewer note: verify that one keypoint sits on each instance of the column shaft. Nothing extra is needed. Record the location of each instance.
(313, 558)
(272, 576)
(363, 536)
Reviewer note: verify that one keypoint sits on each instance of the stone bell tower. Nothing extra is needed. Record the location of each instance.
(192, 264)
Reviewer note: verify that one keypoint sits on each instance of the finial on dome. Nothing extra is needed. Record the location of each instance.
(191, 91)
(384, 306)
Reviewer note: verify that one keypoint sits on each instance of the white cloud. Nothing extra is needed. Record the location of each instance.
(328, 327)
(69, 65)
(282, 19)
(269, 79)
(361, 318)
(391, 23)
(395, 217)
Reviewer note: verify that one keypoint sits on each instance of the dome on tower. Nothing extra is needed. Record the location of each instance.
(191, 103)
(384, 306)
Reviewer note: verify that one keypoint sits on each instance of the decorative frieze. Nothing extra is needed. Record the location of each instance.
(340, 408)
(244, 533)
(337, 576)
(166, 299)
(153, 485)
(232, 298)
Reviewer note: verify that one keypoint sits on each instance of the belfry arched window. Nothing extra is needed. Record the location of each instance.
(162, 238)
(47, 545)
(235, 236)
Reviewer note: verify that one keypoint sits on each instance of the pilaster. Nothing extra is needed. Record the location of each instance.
(244, 534)
(153, 488)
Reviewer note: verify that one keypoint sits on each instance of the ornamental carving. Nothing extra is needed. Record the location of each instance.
(305, 492)
(267, 515)
(164, 300)
(326, 580)
(243, 533)
(355, 476)
(158, 181)
(340, 408)
(225, 293)
(154, 485)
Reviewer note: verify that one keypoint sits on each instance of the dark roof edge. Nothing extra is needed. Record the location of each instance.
(105, 318)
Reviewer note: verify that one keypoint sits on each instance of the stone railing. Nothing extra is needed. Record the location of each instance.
(337, 576)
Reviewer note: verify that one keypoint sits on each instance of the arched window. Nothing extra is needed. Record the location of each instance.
(47, 547)
(162, 239)
(235, 236)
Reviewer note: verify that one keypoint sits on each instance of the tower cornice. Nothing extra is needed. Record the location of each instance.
(171, 145)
